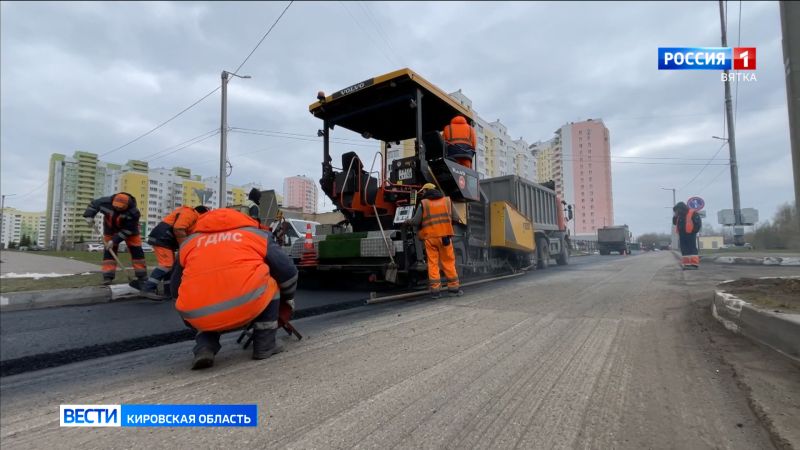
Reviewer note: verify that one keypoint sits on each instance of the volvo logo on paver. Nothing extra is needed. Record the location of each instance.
(354, 88)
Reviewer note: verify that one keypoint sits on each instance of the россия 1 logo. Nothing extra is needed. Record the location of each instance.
(710, 58)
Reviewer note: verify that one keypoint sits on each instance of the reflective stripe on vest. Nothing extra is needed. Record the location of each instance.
(460, 139)
(224, 305)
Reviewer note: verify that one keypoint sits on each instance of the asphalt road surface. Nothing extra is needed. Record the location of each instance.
(589, 356)
(45, 331)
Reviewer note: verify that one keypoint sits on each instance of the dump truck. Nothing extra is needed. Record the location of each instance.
(616, 238)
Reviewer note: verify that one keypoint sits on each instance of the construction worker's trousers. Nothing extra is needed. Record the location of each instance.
(437, 253)
(267, 320)
(134, 244)
(689, 253)
(165, 258)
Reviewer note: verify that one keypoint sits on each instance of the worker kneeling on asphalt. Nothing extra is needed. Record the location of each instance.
(230, 273)
(435, 217)
(120, 223)
(165, 238)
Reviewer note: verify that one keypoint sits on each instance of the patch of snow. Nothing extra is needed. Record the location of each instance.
(35, 276)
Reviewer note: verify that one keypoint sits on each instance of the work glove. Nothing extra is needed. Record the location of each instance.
(89, 221)
(285, 311)
(109, 244)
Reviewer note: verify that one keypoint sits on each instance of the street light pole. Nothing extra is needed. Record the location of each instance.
(738, 229)
(674, 202)
(223, 138)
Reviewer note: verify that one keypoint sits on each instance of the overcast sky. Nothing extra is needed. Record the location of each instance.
(93, 76)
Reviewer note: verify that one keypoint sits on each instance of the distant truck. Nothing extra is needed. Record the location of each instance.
(615, 238)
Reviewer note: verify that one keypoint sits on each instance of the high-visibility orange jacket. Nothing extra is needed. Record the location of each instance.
(460, 132)
(437, 219)
(229, 271)
(174, 228)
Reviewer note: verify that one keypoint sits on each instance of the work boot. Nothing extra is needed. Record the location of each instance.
(108, 281)
(436, 294)
(455, 293)
(203, 359)
(149, 290)
(265, 344)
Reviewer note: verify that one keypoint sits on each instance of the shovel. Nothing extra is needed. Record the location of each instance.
(391, 268)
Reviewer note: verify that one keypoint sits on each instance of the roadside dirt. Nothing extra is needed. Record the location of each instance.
(782, 294)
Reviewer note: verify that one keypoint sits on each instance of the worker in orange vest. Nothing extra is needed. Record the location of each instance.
(434, 219)
(165, 238)
(459, 138)
(230, 274)
(120, 223)
(688, 223)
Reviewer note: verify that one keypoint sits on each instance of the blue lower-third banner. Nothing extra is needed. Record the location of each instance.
(159, 415)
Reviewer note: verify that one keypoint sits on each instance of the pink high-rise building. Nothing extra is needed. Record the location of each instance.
(300, 192)
(587, 158)
(582, 172)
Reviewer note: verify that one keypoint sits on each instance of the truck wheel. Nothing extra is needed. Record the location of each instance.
(563, 257)
(542, 253)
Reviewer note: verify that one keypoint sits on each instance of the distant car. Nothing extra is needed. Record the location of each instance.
(147, 248)
(95, 247)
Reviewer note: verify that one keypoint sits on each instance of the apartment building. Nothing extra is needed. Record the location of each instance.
(16, 224)
(75, 181)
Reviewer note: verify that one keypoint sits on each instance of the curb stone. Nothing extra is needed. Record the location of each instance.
(778, 331)
(758, 261)
(26, 300)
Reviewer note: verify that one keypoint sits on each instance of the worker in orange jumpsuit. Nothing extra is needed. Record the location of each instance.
(688, 223)
(165, 238)
(120, 223)
(229, 274)
(434, 219)
(460, 142)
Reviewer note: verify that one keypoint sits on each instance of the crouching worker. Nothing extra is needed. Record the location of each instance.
(228, 274)
(165, 239)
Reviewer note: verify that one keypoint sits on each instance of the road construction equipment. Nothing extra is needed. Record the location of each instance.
(526, 229)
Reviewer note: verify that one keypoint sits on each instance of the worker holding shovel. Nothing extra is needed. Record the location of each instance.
(120, 223)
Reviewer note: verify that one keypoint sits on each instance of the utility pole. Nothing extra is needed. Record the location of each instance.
(223, 143)
(223, 138)
(790, 14)
(59, 237)
(738, 228)
(674, 202)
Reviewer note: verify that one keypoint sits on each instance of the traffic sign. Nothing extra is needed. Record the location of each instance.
(696, 203)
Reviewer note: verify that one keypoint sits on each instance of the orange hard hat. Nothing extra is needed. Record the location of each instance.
(120, 201)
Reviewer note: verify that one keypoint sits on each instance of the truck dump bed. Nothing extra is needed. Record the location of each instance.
(612, 234)
(533, 200)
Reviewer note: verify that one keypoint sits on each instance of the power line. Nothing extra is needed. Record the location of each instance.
(308, 139)
(374, 21)
(215, 130)
(34, 190)
(704, 167)
(263, 37)
(201, 98)
(162, 123)
(713, 179)
(385, 55)
(295, 134)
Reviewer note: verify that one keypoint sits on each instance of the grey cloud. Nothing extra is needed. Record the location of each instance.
(91, 76)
